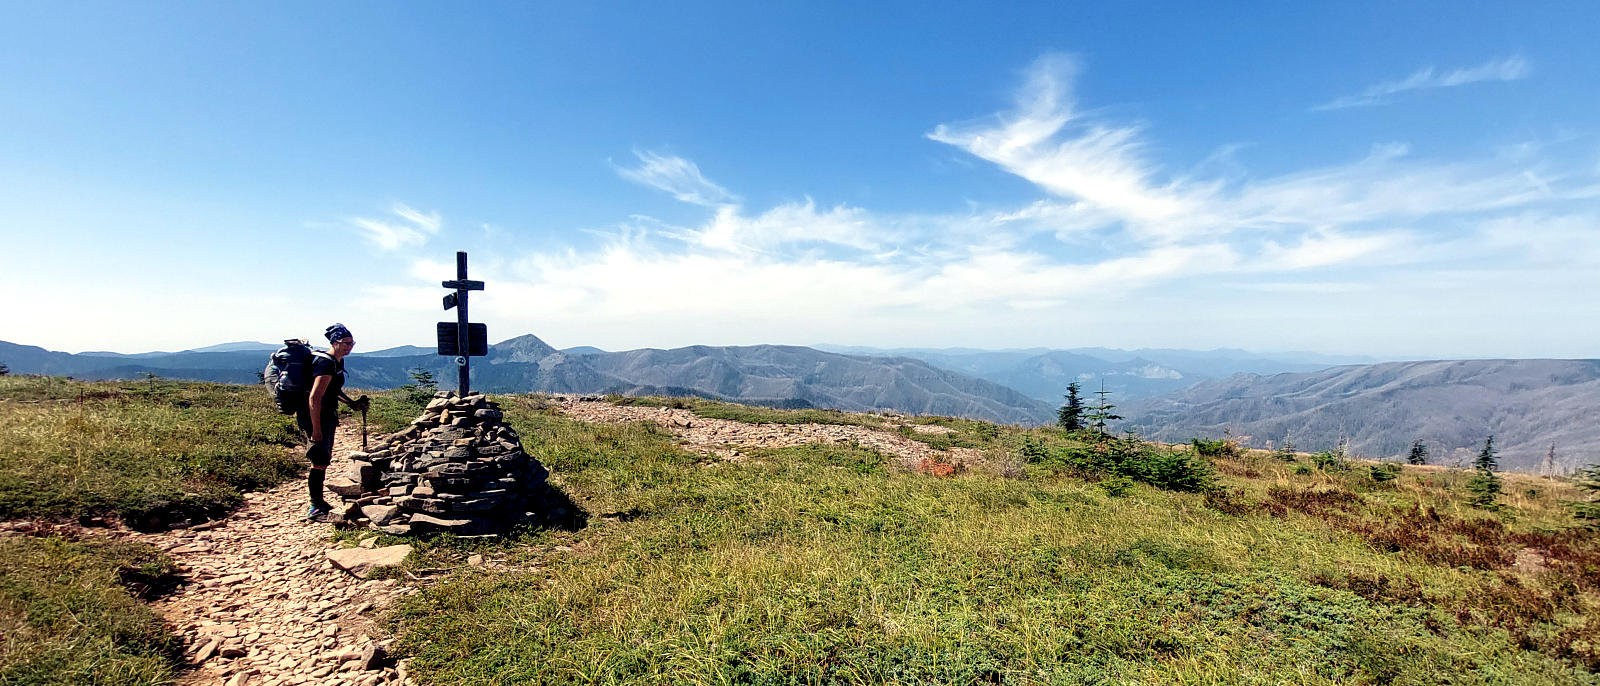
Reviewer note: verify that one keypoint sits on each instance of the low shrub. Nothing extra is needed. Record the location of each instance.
(1217, 448)
(1330, 461)
(1384, 473)
(1132, 458)
(1117, 486)
(1033, 451)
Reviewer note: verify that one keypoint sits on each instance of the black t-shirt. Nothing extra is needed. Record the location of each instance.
(325, 365)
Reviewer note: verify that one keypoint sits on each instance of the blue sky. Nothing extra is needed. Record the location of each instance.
(1416, 181)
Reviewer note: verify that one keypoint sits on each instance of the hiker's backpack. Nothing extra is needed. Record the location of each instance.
(288, 374)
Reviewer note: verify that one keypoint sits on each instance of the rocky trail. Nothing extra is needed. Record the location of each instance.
(728, 439)
(264, 605)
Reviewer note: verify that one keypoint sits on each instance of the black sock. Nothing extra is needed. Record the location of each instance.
(314, 481)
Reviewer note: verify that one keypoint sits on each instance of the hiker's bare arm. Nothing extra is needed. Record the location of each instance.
(319, 388)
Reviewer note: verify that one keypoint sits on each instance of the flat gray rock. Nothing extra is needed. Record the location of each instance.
(361, 561)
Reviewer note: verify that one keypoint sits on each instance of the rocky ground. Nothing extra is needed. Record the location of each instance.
(728, 439)
(266, 606)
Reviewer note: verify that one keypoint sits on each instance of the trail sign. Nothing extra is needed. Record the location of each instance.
(477, 340)
(459, 338)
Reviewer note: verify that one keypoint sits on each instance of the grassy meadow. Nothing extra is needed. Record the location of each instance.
(70, 613)
(152, 452)
(821, 564)
(1054, 558)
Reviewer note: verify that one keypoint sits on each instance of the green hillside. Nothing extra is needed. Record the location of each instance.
(1037, 557)
(824, 565)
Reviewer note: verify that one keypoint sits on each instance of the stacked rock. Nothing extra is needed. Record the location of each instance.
(459, 468)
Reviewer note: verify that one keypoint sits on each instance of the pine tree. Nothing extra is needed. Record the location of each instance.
(1485, 485)
(1101, 411)
(1286, 451)
(422, 386)
(1419, 453)
(1070, 415)
(4, 370)
(1486, 460)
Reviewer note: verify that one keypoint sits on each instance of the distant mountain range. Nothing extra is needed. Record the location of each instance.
(788, 376)
(1043, 373)
(1452, 406)
(1165, 394)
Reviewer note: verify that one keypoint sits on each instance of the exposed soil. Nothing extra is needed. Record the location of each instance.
(727, 439)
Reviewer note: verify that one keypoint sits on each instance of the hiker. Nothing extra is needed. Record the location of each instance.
(319, 417)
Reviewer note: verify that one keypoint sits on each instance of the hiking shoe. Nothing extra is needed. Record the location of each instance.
(319, 513)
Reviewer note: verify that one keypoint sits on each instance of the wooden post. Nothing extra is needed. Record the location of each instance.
(465, 380)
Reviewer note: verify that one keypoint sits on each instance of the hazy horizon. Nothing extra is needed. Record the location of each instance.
(827, 346)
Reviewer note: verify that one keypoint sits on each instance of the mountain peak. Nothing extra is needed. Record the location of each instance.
(524, 348)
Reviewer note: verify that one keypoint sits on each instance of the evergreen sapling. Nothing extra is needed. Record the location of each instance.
(1070, 416)
(1419, 453)
(1485, 485)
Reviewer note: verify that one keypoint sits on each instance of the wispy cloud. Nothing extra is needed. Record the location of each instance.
(677, 176)
(1101, 164)
(1503, 69)
(407, 227)
(1109, 228)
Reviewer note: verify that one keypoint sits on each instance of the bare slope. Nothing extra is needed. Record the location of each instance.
(1451, 405)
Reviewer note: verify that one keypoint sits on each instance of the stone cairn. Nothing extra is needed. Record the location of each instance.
(459, 468)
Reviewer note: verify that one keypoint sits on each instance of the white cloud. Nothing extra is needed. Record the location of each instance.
(410, 227)
(1503, 69)
(1111, 242)
(787, 224)
(676, 176)
(1099, 164)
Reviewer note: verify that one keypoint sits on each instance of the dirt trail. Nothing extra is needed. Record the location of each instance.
(728, 439)
(264, 606)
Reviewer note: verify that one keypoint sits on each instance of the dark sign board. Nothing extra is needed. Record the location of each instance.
(477, 340)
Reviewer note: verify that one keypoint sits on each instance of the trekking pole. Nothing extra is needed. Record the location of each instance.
(364, 423)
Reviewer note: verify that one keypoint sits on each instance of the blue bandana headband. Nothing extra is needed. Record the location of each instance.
(336, 333)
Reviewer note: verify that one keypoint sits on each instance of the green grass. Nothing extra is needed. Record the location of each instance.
(825, 564)
(151, 452)
(819, 565)
(68, 616)
(392, 409)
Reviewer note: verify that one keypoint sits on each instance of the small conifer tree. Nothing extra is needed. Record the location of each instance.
(1485, 486)
(1419, 453)
(1486, 459)
(1070, 416)
(1101, 412)
(1286, 451)
(1033, 452)
(4, 370)
(422, 386)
